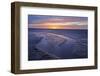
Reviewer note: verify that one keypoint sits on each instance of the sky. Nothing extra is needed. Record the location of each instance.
(57, 22)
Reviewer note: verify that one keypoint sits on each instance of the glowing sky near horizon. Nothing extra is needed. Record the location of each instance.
(57, 22)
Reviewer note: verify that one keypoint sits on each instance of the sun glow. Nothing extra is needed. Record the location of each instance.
(53, 27)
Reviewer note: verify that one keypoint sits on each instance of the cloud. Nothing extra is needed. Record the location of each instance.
(59, 22)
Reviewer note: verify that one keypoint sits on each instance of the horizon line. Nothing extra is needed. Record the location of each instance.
(60, 29)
